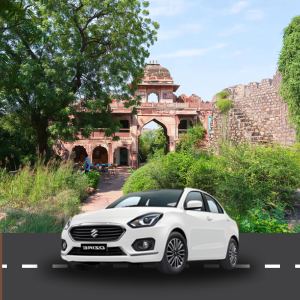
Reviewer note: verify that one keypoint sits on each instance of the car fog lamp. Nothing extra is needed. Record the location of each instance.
(145, 245)
(63, 245)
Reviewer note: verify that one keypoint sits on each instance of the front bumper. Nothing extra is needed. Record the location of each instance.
(159, 233)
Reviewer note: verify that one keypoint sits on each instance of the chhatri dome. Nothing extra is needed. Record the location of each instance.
(156, 70)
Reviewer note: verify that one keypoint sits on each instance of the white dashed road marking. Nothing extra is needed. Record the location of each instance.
(29, 266)
(59, 266)
(212, 266)
(242, 266)
(272, 266)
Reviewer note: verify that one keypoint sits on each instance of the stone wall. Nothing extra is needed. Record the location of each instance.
(258, 115)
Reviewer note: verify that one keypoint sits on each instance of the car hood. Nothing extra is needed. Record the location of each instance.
(124, 214)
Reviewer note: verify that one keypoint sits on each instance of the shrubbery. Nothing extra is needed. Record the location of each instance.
(48, 193)
(164, 172)
(260, 220)
(224, 105)
(94, 178)
(238, 176)
(191, 139)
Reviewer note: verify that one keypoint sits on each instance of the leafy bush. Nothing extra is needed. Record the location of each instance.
(191, 139)
(205, 174)
(224, 105)
(222, 95)
(260, 220)
(94, 178)
(253, 172)
(164, 172)
(240, 174)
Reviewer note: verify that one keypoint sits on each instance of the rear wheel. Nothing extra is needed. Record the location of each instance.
(175, 256)
(230, 261)
(79, 266)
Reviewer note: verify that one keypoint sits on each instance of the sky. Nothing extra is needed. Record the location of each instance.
(209, 45)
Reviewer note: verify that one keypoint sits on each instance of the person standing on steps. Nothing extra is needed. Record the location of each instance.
(87, 163)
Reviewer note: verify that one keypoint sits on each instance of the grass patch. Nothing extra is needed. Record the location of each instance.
(42, 195)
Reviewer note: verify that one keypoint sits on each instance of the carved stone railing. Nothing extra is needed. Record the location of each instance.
(166, 105)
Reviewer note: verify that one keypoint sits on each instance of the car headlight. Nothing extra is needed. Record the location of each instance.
(68, 224)
(145, 220)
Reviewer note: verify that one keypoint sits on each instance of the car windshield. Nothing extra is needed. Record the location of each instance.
(155, 198)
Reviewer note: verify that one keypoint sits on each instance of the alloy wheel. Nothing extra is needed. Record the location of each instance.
(232, 254)
(175, 253)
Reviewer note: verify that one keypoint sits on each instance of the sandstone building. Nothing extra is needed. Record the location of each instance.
(174, 114)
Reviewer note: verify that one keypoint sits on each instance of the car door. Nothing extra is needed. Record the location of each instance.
(196, 228)
(217, 227)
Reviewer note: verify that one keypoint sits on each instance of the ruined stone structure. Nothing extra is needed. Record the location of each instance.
(174, 114)
(258, 115)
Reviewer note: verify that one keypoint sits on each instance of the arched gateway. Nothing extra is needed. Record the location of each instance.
(174, 114)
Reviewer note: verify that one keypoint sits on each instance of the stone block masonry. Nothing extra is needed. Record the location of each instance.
(258, 115)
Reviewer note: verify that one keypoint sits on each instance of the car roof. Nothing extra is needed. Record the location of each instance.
(192, 189)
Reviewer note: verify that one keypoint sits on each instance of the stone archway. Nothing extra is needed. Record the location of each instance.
(142, 121)
(116, 152)
(161, 122)
(100, 155)
(79, 153)
(153, 92)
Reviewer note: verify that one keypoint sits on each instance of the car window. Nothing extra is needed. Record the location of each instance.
(195, 196)
(155, 198)
(129, 201)
(213, 205)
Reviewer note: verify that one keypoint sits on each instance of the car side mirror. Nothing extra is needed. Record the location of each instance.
(193, 204)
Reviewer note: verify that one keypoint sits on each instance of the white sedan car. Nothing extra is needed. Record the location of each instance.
(169, 227)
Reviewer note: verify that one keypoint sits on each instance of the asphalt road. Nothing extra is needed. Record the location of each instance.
(33, 269)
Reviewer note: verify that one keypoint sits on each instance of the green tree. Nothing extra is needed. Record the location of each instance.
(152, 143)
(54, 53)
(289, 67)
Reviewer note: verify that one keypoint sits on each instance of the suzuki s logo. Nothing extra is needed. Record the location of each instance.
(94, 233)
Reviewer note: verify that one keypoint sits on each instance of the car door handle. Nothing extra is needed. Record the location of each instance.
(228, 220)
(209, 219)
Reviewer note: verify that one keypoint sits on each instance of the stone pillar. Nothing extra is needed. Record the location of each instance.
(110, 154)
(172, 143)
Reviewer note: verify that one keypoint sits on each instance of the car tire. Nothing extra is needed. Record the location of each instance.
(230, 261)
(175, 255)
(83, 266)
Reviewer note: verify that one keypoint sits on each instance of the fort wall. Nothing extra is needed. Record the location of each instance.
(258, 115)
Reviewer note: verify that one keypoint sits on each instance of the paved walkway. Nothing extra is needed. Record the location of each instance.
(108, 191)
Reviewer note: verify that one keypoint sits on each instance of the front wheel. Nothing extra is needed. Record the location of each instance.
(175, 256)
(229, 262)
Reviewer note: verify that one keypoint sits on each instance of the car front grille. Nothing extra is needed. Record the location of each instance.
(112, 251)
(97, 233)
